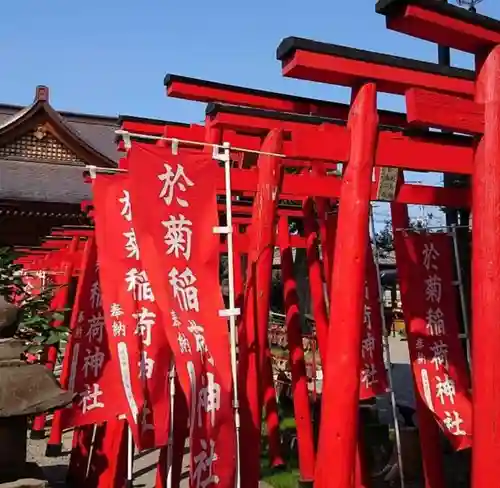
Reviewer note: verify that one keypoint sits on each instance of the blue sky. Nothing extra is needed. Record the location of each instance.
(110, 56)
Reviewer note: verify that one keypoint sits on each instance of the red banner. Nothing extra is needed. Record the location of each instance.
(133, 321)
(428, 296)
(373, 378)
(174, 201)
(91, 374)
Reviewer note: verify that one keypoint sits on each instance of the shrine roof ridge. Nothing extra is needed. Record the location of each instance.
(74, 227)
(88, 118)
(147, 120)
(57, 238)
(215, 108)
(388, 7)
(39, 248)
(290, 45)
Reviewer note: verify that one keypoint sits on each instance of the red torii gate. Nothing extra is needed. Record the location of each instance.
(59, 254)
(422, 150)
(209, 91)
(306, 185)
(472, 106)
(345, 66)
(481, 36)
(418, 148)
(335, 64)
(473, 33)
(258, 127)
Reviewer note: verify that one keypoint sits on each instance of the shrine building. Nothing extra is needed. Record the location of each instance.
(43, 153)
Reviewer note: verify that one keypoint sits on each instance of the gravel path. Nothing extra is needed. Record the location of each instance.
(55, 467)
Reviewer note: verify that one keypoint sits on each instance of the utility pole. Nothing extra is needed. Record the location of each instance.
(456, 217)
(449, 179)
(459, 217)
(470, 4)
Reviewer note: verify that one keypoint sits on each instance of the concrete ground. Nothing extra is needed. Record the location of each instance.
(144, 465)
(401, 377)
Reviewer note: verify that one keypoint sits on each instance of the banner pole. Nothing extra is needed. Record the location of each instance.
(170, 447)
(130, 458)
(232, 312)
(428, 429)
(385, 342)
(463, 301)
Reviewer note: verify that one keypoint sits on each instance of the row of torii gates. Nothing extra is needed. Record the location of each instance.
(317, 135)
(313, 136)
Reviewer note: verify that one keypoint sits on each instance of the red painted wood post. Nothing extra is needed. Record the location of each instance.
(331, 233)
(54, 444)
(428, 429)
(300, 392)
(108, 461)
(56, 430)
(339, 412)
(360, 478)
(161, 468)
(270, 402)
(486, 279)
(58, 301)
(238, 276)
(256, 306)
(80, 455)
(213, 135)
(322, 207)
(181, 432)
(318, 302)
(272, 417)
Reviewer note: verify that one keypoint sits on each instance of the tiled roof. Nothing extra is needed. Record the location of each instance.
(41, 182)
(98, 131)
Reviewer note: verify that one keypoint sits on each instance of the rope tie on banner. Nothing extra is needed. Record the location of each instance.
(126, 140)
(175, 146)
(95, 170)
(92, 171)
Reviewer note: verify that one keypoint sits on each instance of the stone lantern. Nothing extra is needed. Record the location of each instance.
(25, 390)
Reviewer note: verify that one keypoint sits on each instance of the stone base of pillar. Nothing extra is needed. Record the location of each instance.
(25, 483)
(13, 440)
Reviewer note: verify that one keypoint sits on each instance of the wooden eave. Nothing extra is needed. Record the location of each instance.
(40, 112)
(16, 208)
